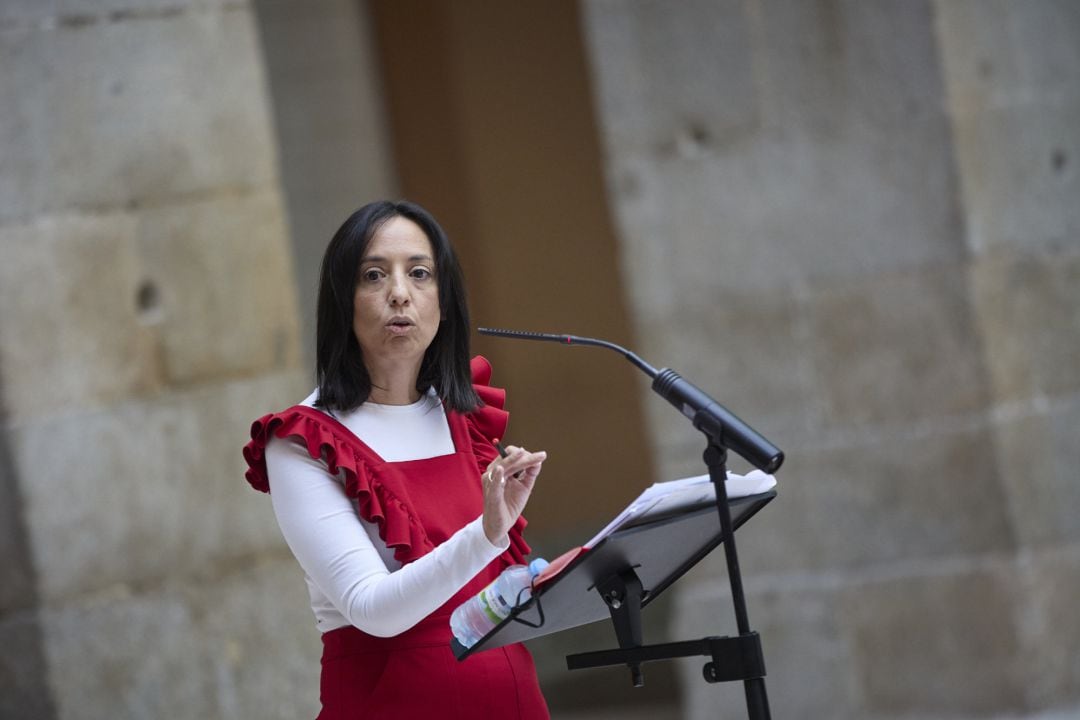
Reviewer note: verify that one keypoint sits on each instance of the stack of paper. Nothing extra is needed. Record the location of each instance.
(676, 495)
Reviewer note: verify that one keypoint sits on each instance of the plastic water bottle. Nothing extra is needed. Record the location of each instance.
(475, 617)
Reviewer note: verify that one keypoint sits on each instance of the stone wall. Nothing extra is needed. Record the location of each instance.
(147, 314)
(855, 225)
(332, 136)
(1013, 77)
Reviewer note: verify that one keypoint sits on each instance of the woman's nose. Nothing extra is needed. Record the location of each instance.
(399, 290)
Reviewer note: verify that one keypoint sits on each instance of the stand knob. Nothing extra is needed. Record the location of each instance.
(709, 671)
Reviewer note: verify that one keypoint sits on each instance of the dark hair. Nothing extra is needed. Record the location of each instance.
(344, 383)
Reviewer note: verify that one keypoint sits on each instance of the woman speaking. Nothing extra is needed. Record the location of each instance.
(387, 486)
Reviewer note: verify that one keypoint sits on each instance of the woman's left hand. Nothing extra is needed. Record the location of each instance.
(504, 494)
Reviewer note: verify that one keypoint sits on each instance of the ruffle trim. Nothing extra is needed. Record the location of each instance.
(398, 526)
(327, 440)
(487, 424)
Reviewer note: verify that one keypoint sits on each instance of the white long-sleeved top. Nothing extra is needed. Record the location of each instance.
(351, 575)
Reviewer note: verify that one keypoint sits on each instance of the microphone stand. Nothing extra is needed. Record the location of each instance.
(733, 658)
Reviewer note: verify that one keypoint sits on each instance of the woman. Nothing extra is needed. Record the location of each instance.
(386, 483)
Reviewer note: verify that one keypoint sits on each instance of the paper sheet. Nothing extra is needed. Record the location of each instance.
(687, 492)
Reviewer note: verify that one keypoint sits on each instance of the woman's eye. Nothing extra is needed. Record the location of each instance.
(420, 273)
(371, 275)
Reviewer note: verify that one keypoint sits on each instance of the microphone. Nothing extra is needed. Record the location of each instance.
(706, 414)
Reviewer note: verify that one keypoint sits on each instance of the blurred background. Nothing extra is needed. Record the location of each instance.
(856, 224)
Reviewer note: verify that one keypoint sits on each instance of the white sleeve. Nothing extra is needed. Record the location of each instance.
(324, 532)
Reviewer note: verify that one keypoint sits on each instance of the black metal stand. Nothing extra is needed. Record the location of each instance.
(732, 658)
(757, 700)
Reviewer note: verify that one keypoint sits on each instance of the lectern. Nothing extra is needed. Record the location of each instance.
(624, 572)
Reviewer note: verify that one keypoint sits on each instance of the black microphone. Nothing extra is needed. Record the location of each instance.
(706, 414)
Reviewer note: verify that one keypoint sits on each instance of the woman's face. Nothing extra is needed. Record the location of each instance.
(396, 306)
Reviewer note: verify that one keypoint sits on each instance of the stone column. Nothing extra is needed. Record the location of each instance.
(876, 269)
(1012, 71)
(147, 315)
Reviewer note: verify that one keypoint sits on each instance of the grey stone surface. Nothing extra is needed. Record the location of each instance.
(877, 503)
(1027, 311)
(945, 644)
(1051, 627)
(1019, 173)
(146, 489)
(147, 316)
(836, 182)
(896, 348)
(736, 346)
(693, 69)
(74, 329)
(68, 330)
(867, 250)
(1012, 73)
(188, 650)
(996, 50)
(18, 589)
(794, 625)
(77, 13)
(121, 113)
(24, 676)
(935, 641)
(222, 270)
(322, 55)
(1040, 462)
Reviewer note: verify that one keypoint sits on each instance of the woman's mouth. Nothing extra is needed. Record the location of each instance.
(399, 326)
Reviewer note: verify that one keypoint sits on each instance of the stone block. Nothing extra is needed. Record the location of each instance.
(104, 307)
(242, 645)
(1028, 312)
(222, 270)
(1039, 461)
(51, 13)
(996, 52)
(1011, 73)
(765, 216)
(638, 50)
(936, 645)
(262, 641)
(825, 69)
(23, 183)
(24, 676)
(127, 113)
(1020, 181)
(70, 335)
(840, 182)
(888, 500)
(1050, 582)
(741, 348)
(897, 348)
(146, 490)
(795, 624)
(17, 586)
(323, 55)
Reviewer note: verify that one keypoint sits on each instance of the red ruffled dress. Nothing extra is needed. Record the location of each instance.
(417, 505)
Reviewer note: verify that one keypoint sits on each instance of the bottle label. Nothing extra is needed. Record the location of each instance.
(493, 605)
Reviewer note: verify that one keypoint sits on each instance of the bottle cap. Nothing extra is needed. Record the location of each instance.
(537, 566)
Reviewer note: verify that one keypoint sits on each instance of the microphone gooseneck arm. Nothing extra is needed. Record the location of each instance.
(572, 340)
(706, 414)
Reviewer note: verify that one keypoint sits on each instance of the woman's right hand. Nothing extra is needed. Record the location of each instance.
(504, 494)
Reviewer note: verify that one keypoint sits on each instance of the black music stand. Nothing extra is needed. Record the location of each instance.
(619, 576)
(620, 584)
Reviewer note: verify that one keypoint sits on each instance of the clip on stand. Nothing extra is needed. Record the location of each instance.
(631, 567)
